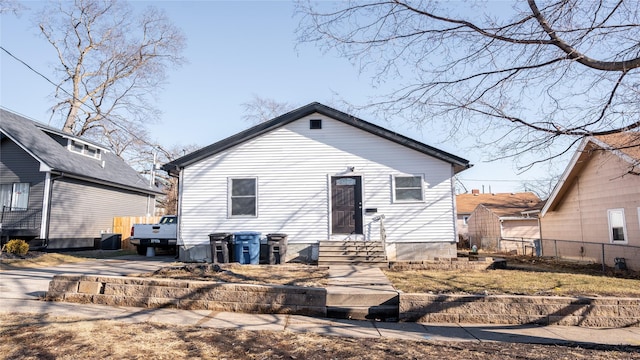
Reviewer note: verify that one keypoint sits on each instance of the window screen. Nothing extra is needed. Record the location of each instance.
(616, 225)
(14, 196)
(243, 197)
(408, 188)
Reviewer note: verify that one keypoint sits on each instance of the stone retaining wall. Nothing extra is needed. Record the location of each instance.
(459, 263)
(188, 295)
(280, 299)
(505, 309)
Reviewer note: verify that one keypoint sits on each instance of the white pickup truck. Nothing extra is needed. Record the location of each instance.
(161, 235)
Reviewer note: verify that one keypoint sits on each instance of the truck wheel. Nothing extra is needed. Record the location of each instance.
(142, 250)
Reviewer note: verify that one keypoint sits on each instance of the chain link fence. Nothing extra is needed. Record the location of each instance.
(608, 255)
(612, 255)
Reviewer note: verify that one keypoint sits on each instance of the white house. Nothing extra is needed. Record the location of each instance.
(318, 174)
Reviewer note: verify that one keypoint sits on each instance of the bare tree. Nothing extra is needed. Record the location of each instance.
(11, 6)
(169, 184)
(111, 64)
(535, 78)
(259, 109)
(541, 187)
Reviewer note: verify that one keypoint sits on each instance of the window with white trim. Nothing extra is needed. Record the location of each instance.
(84, 149)
(617, 227)
(243, 197)
(408, 188)
(14, 197)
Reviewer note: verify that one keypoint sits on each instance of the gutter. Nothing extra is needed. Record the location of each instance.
(62, 174)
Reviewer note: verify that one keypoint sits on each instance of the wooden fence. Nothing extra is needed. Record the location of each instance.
(122, 225)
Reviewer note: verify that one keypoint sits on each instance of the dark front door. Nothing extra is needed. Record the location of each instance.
(346, 205)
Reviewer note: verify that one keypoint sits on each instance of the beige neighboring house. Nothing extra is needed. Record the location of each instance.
(485, 220)
(593, 212)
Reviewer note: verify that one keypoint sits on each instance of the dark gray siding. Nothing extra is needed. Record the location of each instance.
(81, 211)
(16, 165)
(59, 139)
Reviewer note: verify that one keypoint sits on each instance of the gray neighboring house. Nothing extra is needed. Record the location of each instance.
(60, 191)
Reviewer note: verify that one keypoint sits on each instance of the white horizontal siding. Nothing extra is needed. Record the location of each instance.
(294, 164)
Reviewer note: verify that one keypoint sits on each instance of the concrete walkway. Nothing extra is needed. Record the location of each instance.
(361, 293)
(21, 291)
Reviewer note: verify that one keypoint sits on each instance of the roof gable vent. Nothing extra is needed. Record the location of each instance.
(315, 124)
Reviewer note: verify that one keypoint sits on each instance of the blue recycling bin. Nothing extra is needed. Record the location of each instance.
(246, 246)
(537, 243)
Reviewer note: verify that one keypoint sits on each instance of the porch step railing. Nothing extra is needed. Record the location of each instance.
(20, 219)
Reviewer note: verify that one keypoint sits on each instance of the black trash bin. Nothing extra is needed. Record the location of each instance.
(111, 241)
(221, 247)
(277, 248)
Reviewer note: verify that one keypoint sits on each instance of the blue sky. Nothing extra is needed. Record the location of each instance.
(235, 50)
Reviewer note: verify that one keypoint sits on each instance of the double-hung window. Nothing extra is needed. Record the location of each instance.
(14, 197)
(617, 227)
(408, 188)
(243, 197)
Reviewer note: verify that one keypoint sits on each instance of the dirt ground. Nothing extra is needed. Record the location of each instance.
(24, 336)
(29, 255)
(28, 336)
(290, 274)
(558, 265)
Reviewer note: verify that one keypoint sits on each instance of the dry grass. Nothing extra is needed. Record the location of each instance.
(289, 274)
(45, 260)
(28, 336)
(517, 282)
(36, 259)
(525, 276)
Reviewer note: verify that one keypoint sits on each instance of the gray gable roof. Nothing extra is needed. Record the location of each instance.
(174, 167)
(39, 141)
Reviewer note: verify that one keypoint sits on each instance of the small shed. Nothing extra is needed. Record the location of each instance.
(504, 222)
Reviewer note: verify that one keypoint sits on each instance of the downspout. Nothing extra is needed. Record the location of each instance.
(46, 203)
(179, 210)
(456, 235)
(541, 252)
(149, 205)
(46, 208)
(580, 209)
(455, 209)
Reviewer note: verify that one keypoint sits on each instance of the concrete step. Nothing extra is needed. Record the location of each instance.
(352, 248)
(363, 298)
(365, 253)
(350, 243)
(338, 250)
(361, 293)
(380, 313)
(352, 260)
(361, 264)
(346, 257)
